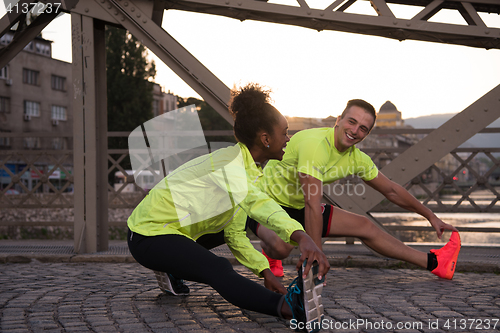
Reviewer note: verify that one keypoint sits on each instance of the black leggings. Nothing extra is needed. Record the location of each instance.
(188, 260)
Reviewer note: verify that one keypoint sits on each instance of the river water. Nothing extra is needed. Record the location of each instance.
(484, 220)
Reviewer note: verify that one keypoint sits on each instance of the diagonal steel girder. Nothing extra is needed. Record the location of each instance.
(135, 16)
(383, 23)
(428, 151)
(26, 34)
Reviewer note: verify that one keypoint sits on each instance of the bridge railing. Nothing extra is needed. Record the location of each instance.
(37, 184)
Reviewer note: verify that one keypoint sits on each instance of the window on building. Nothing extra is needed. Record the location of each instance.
(30, 76)
(58, 82)
(58, 143)
(29, 46)
(4, 73)
(6, 39)
(4, 105)
(4, 141)
(32, 108)
(31, 143)
(59, 112)
(156, 107)
(42, 49)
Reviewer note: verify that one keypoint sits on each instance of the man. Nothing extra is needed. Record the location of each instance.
(323, 155)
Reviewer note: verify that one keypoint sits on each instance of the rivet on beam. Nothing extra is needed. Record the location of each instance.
(132, 9)
(403, 169)
(430, 149)
(471, 120)
(443, 139)
(125, 4)
(485, 110)
(138, 14)
(457, 129)
(416, 159)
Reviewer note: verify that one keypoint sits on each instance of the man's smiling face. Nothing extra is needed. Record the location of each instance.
(352, 128)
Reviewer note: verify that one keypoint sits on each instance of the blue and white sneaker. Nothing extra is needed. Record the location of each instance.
(304, 298)
(170, 284)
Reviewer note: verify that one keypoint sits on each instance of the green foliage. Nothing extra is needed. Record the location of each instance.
(130, 94)
(210, 119)
(129, 91)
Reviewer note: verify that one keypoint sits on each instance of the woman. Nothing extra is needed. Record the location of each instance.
(211, 195)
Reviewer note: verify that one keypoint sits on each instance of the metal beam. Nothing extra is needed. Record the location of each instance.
(23, 37)
(173, 54)
(90, 135)
(384, 24)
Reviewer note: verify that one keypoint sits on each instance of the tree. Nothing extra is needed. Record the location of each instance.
(129, 91)
(210, 119)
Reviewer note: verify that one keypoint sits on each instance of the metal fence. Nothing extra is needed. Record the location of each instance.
(467, 180)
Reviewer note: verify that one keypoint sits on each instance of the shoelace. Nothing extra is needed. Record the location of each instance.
(293, 288)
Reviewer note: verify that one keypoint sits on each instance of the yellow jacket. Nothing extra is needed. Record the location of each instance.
(211, 193)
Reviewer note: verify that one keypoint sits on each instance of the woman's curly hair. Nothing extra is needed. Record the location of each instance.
(252, 113)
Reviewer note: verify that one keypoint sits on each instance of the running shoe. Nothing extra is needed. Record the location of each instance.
(275, 265)
(170, 284)
(304, 299)
(447, 257)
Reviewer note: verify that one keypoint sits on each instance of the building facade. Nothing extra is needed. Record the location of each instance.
(389, 116)
(35, 97)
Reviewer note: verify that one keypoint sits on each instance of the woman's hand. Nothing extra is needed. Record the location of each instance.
(311, 252)
(272, 283)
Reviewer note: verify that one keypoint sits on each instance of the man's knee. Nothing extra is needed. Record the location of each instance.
(368, 227)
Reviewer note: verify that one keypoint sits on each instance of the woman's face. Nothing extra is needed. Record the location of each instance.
(278, 140)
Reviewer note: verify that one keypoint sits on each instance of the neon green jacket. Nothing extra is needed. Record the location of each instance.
(211, 193)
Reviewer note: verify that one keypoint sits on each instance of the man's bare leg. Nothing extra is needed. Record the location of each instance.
(352, 225)
(346, 224)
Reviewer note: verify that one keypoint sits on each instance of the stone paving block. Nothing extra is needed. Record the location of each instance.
(446, 314)
(164, 324)
(125, 297)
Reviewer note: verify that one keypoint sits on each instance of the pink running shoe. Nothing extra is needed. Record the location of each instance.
(447, 257)
(275, 265)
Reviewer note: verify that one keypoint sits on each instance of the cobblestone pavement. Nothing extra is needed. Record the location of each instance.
(124, 297)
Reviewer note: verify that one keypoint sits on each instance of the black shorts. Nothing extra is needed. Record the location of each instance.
(299, 215)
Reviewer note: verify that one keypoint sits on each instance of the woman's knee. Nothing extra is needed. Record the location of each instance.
(220, 264)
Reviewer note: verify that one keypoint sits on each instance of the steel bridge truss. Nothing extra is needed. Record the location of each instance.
(143, 18)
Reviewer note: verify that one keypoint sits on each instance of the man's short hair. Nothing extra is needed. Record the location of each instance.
(362, 104)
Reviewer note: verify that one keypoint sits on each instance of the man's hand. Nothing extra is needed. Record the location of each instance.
(440, 226)
(310, 252)
(272, 283)
(401, 197)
